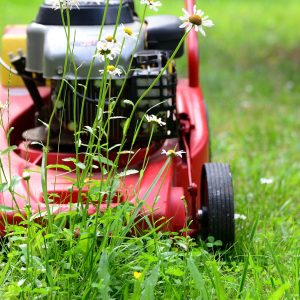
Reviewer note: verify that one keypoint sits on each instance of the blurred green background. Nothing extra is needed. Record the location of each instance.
(250, 75)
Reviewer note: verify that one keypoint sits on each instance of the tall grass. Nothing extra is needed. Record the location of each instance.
(250, 76)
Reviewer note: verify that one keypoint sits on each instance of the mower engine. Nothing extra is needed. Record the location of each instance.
(47, 45)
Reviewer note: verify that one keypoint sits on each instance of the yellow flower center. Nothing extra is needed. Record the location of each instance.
(128, 31)
(110, 39)
(110, 68)
(195, 19)
(171, 153)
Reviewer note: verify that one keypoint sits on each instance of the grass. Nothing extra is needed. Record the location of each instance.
(250, 77)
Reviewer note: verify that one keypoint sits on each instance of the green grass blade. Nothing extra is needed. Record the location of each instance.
(197, 278)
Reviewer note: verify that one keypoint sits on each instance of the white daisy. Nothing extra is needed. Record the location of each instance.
(128, 32)
(26, 175)
(153, 4)
(113, 71)
(266, 180)
(240, 217)
(154, 120)
(172, 152)
(65, 4)
(196, 20)
(107, 49)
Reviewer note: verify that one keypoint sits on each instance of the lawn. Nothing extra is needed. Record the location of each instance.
(250, 74)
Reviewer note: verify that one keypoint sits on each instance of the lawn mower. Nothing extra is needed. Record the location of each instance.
(192, 190)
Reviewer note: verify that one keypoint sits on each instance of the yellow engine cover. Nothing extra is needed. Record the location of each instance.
(13, 39)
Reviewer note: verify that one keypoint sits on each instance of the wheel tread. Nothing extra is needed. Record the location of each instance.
(220, 203)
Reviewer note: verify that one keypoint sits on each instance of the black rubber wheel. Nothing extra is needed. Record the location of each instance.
(217, 205)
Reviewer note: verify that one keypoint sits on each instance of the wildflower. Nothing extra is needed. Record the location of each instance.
(154, 120)
(107, 49)
(153, 4)
(64, 4)
(113, 71)
(240, 217)
(137, 275)
(79, 143)
(196, 20)
(128, 32)
(172, 153)
(266, 180)
(110, 38)
(26, 175)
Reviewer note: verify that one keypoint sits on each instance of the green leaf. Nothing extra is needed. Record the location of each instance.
(70, 213)
(4, 208)
(156, 179)
(104, 279)
(8, 150)
(149, 284)
(49, 236)
(245, 269)
(4, 187)
(6, 269)
(126, 101)
(175, 271)
(127, 173)
(103, 160)
(182, 245)
(89, 129)
(72, 159)
(218, 243)
(114, 146)
(150, 258)
(38, 215)
(279, 293)
(42, 214)
(197, 277)
(211, 239)
(126, 126)
(113, 189)
(45, 124)
(80, 165)
(217, 281)
(15, 181)
(59, 166)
